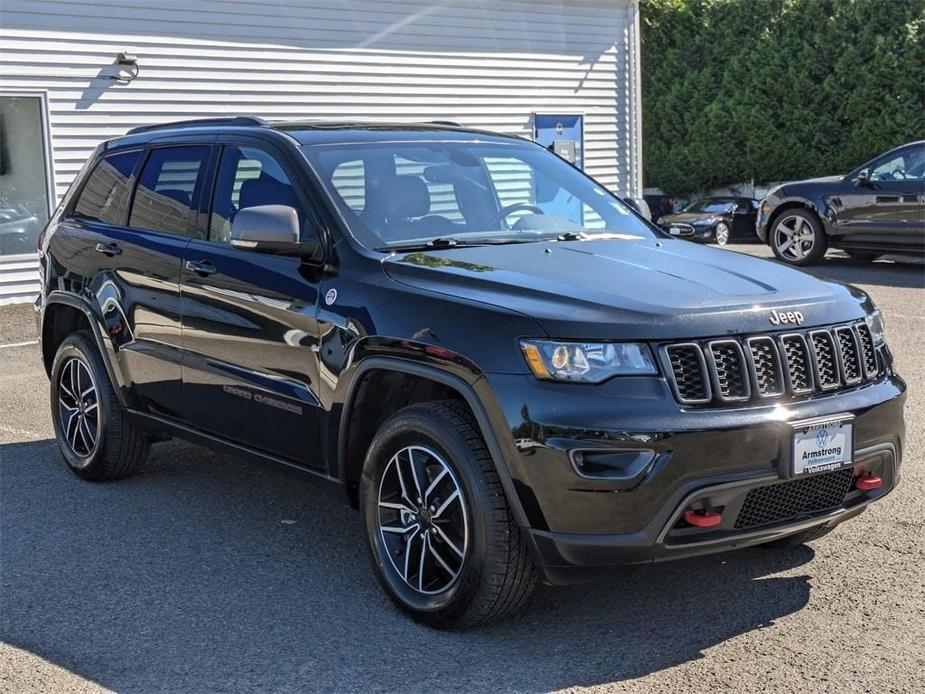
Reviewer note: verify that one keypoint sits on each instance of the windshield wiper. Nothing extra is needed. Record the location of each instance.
(450, 242)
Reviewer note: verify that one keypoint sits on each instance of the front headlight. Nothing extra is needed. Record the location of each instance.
(587, 362)
(875, 323)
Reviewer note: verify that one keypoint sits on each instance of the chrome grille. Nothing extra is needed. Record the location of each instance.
(763, 367)
(797, 364)
(868, 355)
(850, 356)
(825, 359)
(690, 373)
(766, 366)
(727, 363)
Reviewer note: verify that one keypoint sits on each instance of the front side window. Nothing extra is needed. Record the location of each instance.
(406, 192)
(104, 197)
(247, 177)
(906, 164)
(168, 190)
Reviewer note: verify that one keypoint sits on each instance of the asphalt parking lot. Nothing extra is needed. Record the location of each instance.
(207, 574)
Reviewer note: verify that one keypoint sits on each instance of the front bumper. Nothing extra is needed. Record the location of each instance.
(690, 232)
(580, 527)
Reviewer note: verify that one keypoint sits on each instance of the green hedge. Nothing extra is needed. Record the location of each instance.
(771, 90)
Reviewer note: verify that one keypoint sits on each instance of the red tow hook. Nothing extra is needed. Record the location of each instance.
(705, 519)
(868, 481)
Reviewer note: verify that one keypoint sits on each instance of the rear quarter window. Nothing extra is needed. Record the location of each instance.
(104, 197)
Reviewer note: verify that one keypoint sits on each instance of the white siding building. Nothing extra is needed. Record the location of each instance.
(506, 65)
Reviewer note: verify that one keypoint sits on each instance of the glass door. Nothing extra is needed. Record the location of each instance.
(25, 178)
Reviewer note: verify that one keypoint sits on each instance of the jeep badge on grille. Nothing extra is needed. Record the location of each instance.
(794, 317)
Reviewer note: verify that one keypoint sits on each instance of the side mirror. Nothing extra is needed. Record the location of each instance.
(863, 177)
(270, 229)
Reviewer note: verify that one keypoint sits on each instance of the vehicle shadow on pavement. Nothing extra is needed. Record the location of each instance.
(905, 275)
(206, 573)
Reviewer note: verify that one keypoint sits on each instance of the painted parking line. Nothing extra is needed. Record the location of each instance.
(20, 344)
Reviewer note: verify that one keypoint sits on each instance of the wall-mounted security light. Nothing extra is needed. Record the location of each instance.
(126, 67)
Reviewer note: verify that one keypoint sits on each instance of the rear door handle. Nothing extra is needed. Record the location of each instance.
(109, 249)
(203, 268)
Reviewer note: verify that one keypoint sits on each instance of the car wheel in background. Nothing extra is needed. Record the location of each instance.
(721, 233)
(440, 533)
(797, 238)
(96, 437)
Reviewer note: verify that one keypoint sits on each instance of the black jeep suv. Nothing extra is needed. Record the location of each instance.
(511, 374)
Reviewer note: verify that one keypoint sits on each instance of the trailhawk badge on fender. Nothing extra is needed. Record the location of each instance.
(790, 317)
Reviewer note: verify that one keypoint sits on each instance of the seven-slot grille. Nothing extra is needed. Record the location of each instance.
(770, 366)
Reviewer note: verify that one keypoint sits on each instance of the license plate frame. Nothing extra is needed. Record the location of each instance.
(833, 435)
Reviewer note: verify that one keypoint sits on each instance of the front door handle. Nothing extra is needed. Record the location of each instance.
(203, 268)
(109, 249)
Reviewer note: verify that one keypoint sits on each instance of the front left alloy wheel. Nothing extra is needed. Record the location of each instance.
(797, 238)
(440, 533)
(721, 234)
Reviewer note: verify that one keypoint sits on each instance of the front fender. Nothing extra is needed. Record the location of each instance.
(447, 369)
(820, 205)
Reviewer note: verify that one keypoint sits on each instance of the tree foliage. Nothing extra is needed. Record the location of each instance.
(772, 90)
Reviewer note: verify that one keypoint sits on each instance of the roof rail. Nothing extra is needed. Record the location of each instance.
(201, 122)
(445, 122)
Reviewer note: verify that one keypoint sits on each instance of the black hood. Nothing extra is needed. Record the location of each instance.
(622, 289)
(806, 188)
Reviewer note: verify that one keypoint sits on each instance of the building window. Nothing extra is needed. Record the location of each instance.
(24, 175)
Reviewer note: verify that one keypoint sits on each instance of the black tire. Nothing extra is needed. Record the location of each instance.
(722, 234)
(864, 256)
(799, 539)
(496, 573)
(119, 448)
(792, 230)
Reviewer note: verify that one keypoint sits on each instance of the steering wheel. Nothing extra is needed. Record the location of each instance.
(508, 210)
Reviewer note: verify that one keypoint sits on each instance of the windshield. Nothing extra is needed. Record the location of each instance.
(403, 193)
(710, 205)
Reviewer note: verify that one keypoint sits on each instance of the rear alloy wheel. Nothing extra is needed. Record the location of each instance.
(440, 532)
(97, 438)
(78, 408)
(797, 238)
(721, 233)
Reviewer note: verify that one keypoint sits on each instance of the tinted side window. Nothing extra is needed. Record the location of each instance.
(905, 164)
(168, 189)
(104, 197)
(247, 177)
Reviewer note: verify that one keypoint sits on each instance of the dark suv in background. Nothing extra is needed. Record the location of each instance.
(878, 208)
(511, 374)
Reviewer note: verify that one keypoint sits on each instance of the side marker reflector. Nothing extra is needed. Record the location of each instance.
(705, 519)
(868, 482)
